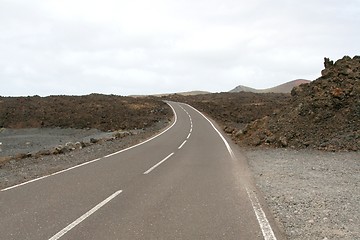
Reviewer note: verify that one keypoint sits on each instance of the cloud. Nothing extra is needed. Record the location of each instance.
(142, 47)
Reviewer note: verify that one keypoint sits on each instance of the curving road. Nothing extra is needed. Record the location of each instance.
(188, 182)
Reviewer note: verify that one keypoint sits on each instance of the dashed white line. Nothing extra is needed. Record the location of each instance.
(83, 217)
(156, 165)
(182, 144)
(191, 122)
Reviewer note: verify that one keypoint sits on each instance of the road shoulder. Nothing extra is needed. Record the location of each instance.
(312, 194)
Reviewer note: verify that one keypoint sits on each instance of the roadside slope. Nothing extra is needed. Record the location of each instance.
(324, 114)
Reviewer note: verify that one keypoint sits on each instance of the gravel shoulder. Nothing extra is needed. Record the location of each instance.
(312, 194)
(32, 140)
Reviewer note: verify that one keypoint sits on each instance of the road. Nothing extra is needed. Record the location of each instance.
(188, 182)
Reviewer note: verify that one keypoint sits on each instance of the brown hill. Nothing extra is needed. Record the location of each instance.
(283, 88)
(323, 114)
(190, 93)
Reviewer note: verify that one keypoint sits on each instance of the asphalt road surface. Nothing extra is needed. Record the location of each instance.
(188, 182)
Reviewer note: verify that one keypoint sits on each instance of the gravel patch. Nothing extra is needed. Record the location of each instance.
(312, 194)
(31, 140)
(17, 171)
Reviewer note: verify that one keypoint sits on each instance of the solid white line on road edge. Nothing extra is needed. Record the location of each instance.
(221, 136)
(8, 188)
(266, 229)
(156, 165)
(95, 160)
(52, 174)
(83, 217)
(188, 136)
(182, 144)
(149, 138)
(261, 217)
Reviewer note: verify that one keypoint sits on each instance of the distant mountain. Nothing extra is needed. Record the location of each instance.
(283, 88)
(190, 93)
(242, 88)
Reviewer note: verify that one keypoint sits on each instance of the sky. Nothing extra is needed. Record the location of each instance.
(132, 47)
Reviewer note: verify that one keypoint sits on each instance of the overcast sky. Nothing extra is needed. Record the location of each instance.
(128, 47)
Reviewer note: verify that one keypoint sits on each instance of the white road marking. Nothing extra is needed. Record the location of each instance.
(52, 174)
(156, 165)
(191, 122)
(221, 136)
(149, 138)
(182, 144)
(188, 136)
(83, 217)
(265, 226)
(261, 217)
(95, 160)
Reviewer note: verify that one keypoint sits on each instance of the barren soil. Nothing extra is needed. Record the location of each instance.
(95, 111)
(233, 111)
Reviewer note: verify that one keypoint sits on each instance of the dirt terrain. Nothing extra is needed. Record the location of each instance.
(323, 114)
(314, 194)
(102, 112)
(234, 111)
(42, 135)
(35, 126)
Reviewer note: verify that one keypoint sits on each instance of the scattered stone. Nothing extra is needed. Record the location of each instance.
(43, 153)
(21, 156)
(283, 141)
(121, 134)
(78, 145)
(228, 130)
(239, 133)
(70, 146)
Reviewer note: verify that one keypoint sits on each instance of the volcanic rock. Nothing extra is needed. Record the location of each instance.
(323, 114)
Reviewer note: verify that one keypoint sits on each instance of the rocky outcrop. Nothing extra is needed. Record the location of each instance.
(324, 114)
